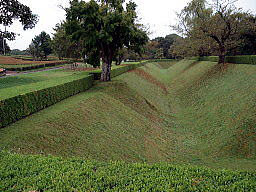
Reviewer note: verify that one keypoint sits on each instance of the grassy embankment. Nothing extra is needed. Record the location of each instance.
(184, 113)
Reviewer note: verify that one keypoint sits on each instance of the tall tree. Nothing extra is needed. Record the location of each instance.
(13, 10)
(165, 43)
(106, 27)
(40, 47)
(217, 20)
(61, 41)
(65, 47)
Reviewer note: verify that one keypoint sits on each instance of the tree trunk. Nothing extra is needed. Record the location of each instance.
(221, 59)
(106, 69)
(222, 54)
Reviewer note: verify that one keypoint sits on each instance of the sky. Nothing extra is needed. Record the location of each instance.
(157, 14)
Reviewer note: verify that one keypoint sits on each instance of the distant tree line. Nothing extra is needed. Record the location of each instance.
(215, 27)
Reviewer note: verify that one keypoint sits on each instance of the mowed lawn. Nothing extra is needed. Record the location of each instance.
(182, 112)
(24, 83)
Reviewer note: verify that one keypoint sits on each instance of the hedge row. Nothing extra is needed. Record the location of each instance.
(245, 59)
(119, 70)
(36, 66)
(20, 106)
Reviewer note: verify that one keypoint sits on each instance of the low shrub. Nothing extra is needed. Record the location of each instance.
(244, 59)
(119, 70)
(32, 66)
(38, 173)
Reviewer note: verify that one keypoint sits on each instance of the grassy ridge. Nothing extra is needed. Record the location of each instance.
(179, 112)
(37, 173)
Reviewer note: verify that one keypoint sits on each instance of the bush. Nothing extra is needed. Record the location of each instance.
(245, 59)
(119, 70)
(23, 67)
(20, 106)
(39, 173)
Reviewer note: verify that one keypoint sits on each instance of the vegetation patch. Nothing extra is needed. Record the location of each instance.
(196, 123)
(37, 173)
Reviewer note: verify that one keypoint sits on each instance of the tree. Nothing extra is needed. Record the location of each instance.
(64, 47)
(105, 27)
(165, 43)
(61, 41)
(40, 47)
(220, 22)
(247, 46)
(13, 10)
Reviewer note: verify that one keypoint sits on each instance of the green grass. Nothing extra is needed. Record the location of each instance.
(37, 173)
(183, 114)
(24, 83)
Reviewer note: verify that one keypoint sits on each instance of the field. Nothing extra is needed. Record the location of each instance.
(16, 63)
(184, 113)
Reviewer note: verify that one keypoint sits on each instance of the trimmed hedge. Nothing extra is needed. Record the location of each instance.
(20, 106)
(119, 70)
(244, 59)
(35, 66)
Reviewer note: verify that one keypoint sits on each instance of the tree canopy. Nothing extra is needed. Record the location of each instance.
(13, 10)
(40, 47)
(105, 27)
(217, 23)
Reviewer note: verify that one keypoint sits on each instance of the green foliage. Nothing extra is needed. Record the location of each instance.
(245, 59)
(94, 58)
(40, 47)
(219, 24)
(105, 27)
(20, 106)
(38, 173)
(179, 112)
(165, 44)
(119, 70)
(60, 41)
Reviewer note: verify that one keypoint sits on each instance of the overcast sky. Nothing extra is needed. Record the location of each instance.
(158, 14)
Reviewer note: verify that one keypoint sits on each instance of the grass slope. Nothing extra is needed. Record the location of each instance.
(181, 112)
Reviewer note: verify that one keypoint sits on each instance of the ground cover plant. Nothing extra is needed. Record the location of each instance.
(37, 173)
